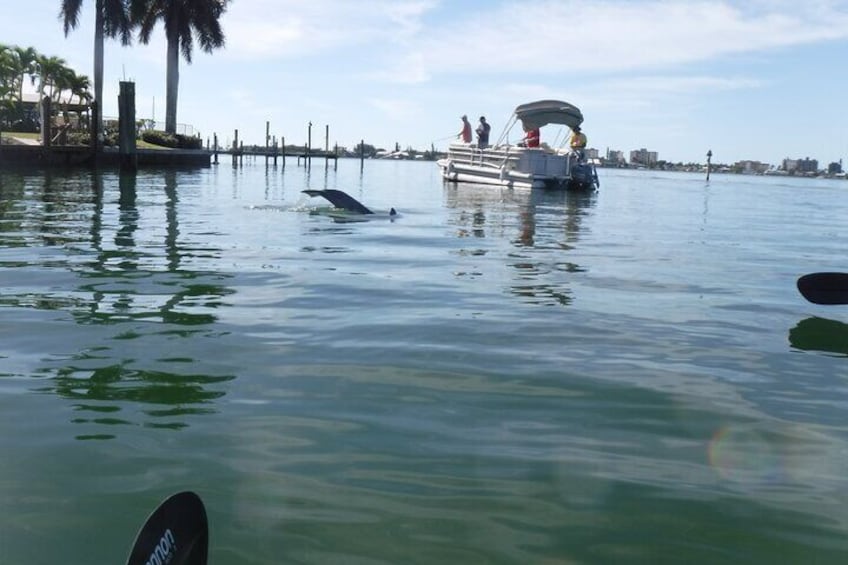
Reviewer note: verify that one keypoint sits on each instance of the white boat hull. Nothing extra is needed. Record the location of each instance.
(516, 167)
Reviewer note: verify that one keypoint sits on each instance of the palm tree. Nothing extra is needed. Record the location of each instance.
(79, 86)
(183, 20)
(8, 75)
(7, 70)
(51, 72)
(111, 20)
(17, 63)
(26, 63)
(65, 81)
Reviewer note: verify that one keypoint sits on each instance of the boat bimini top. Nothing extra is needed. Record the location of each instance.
(537, 114)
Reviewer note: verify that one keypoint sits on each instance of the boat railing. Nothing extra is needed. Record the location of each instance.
(492, 156)
(513, 154)
(508, 158)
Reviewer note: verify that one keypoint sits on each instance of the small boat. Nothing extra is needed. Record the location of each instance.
(516, 166)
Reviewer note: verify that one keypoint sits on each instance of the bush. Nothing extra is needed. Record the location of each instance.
(110, 134)
(188, 142)
(24, 126)
(178, 141)
(79, 138)
(159, 138)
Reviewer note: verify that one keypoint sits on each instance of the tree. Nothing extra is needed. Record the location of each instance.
(184, 21)
(365, 149)
(111, 19)
(7, 71)
(8, 74)
(80, 86)
(51, 73)
(25, 63)
(15, 64)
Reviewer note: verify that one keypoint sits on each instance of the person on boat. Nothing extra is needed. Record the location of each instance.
(465, 134)
(578, 141)
(483, 133)
(531, 138)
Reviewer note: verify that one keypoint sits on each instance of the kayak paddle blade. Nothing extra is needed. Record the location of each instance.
(176, 533)
(824, 288)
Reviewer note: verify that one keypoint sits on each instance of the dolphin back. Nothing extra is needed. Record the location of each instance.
(340, 199)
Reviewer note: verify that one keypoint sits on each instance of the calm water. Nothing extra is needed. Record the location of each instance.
(494, 377)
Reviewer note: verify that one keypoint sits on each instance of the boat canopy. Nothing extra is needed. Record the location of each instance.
(544, 112)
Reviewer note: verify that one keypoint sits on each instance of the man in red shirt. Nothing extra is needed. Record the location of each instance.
(531, 138)
(465, 134)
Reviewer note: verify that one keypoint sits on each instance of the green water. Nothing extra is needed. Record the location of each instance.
(493, 377)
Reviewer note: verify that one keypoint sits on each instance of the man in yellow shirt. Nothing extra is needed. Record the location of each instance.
(578, 142)
(578, 139)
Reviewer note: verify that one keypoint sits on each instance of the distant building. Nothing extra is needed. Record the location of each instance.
(800, 166)
(835, 168)
(643, 157)
(751, 167)
(615, 157)
(591, 153)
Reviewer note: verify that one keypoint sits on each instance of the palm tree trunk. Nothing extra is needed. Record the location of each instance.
(97, 113)
(172, 83)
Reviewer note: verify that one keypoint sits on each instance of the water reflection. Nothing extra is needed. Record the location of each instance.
(127, 218)
(130, 285)
(111, 395)
(547, 227)
(172, 222)
(560, 209)
(820, 334)
(11, 195)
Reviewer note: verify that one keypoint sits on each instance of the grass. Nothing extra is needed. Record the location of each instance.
(140, 143)
(21, 135)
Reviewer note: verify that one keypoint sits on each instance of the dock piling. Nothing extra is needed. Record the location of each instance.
(709, 165)
(267, 140)
(126, 126)
(308, 161)
(45, 122)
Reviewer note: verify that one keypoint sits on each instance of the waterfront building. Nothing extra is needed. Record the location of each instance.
(643, 157)
(751, 167)
(615, 157)
(800, 166)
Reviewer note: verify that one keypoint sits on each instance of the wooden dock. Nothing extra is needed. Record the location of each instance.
(272, 150)
(70, 156)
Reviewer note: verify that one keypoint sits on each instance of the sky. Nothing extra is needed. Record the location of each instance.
(748, 80)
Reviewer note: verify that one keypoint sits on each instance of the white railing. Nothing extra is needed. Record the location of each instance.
(182, 129)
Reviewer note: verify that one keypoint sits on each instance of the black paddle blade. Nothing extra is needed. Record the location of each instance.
(824, 288)
(340, 199)
(177, 533)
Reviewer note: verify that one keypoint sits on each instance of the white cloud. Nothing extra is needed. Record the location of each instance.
(670, 85)
(396, 109)
(284, 28)
(555, 36)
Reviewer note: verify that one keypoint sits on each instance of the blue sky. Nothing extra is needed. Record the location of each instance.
(761, 80)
